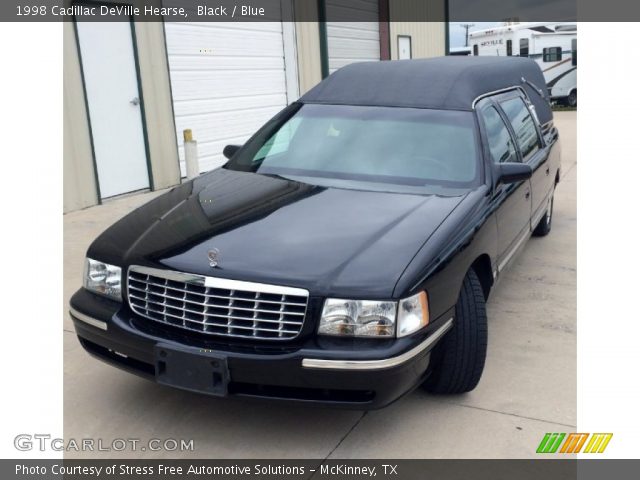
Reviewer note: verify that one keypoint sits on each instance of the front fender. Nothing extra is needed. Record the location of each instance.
(441, 264)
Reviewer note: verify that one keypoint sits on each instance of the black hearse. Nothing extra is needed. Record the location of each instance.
(345, 252)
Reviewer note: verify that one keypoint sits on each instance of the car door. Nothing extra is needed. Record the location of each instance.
(512, 201)
(532, 150)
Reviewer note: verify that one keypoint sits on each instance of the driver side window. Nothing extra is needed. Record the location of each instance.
(498, 136)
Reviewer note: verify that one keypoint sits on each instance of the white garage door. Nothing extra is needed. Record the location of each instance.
(227, 80)
(349, 42)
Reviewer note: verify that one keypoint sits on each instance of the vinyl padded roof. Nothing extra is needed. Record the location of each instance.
(448, 83)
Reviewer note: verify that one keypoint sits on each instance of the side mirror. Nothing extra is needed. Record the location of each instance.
(512, 172)
(230, 150)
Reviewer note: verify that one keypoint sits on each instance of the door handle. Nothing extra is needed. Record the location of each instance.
(527, 195)
(547, 171)
(136, 101)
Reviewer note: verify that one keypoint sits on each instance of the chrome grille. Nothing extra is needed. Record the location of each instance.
(217, 306)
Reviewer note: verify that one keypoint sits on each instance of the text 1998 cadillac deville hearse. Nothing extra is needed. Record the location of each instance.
(342, 255)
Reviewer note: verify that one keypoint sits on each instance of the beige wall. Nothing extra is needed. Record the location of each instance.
(427, 38)
(79, 176)
(307, 45)
(158, 106)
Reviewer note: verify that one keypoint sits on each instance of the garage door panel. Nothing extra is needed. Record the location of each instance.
(228, 104)
(219, 40)
(352, 42)
(349, 42)
(214, 148)
(209, 163)
(233, 26)
(337, 63)
(212, 62)
(363, 10)
(216, 130)
(239, 26)
(226, 84)
(223, 125)
(355, 48)
(227, 80)
(342, 31)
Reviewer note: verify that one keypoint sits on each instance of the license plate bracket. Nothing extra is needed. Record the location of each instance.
(192, 370)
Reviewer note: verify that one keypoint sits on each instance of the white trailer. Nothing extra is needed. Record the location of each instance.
(553, 46)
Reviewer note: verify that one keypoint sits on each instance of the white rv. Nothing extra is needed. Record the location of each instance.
(553, 45)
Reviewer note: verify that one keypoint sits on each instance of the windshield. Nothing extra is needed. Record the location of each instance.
(366, 146)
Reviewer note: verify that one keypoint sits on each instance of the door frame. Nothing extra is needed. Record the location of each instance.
(143, 116)
(499, 196)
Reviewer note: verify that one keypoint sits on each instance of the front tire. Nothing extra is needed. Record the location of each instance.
(458, 360)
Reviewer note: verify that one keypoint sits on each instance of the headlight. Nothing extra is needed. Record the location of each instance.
(371, 318)
(103, 279)
(359, 318)
(413, 314)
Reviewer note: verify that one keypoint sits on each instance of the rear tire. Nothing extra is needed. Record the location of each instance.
(458, 360)
(572, 99)
(544, 226)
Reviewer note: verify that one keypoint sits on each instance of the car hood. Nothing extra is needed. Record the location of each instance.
(332, 242)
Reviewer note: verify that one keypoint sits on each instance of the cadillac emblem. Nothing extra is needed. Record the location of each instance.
(214, 257)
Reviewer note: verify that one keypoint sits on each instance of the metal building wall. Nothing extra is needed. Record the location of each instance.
(79, 190)
(428, 39)
(80, 187)
(156, 88)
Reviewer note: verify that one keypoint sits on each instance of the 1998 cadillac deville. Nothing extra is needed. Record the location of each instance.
(344, 254)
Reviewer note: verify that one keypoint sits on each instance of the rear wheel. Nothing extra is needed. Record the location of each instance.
(458, 360)
(544, 226)
(572, 98)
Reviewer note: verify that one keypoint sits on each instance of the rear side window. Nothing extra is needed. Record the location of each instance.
(574, 52)
(524, 47)
(523, 125)
(552, 54)
(498, 137)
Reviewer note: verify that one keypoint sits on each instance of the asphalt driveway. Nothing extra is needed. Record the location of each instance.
(528, 387)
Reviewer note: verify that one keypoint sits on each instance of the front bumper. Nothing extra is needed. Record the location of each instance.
(361, 374)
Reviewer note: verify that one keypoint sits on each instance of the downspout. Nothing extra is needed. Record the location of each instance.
(322, 28)
(446, 27)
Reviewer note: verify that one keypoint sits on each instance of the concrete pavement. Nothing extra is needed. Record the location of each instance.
(528, 387)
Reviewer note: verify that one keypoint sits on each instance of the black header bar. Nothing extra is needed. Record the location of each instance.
(276, 469)
(308, 10)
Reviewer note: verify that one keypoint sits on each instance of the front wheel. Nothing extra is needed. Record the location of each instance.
(458, 360)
